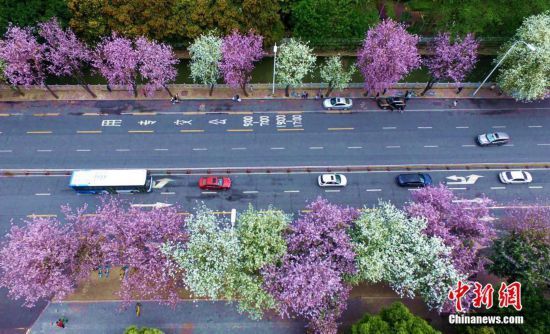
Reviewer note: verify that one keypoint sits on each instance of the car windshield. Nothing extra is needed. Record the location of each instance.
(220, 182)
(337, 178)
(333, 101)
(491, 137)
(421, 177)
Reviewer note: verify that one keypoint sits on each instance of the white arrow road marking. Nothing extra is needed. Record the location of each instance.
(159, 184)
(470, 179)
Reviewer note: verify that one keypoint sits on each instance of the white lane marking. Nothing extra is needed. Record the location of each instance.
(374, 189)
(499, 126)
(200, 149)
(332, 190)
(168, 193)
(389, 128)
(424, 127)
(457, 188)
(462, 127)
(431, 146)
(6, 151)
(498, 188)
(250, 192)
(508, 145)
(161, 149)
(316, 147)
(354, 147)
(535, 187)
(83, 150)
(543, 144)
(292, 191)
(122, 150)
(209, 192)
(43, 150)
(276, 148)
(42, 194)
(393, 146)
(469, 145)
(414, 189)
(534, 126)
(238, 148)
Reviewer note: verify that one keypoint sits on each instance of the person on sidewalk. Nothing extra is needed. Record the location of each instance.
(455, 103)
(175, 99)
(138, 309)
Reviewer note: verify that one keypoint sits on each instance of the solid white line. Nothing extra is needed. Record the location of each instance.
(394, 146)
(43, 150)
(83, 150)
(200, 149)
(292, 191)
(534, 126)
(389, 128)
(316, 147)
(431, 146)
(424, 127)
(122, 150)
(469, 145)
(168, 193)
(457, 188)
(543, 144)
(6, 151)
(332, 190)
(42, 194)
(161, 149)
(499, 126)
(374, 189)
(498, 188)
(276, 148)
(462, 127)
(238, 148)
(535, 187)
(208, 192)
(353, 147)
(250, 192)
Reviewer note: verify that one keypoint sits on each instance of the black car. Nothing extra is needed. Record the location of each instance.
(391, 103)
(414, 180)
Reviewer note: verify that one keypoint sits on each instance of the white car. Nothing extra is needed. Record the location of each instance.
(332, 180)
(515, 176)
(338, 103)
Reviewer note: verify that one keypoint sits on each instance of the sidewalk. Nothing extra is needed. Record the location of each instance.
(255, 91)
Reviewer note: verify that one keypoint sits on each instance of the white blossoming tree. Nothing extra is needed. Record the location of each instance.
(333, 72)
(391, 247)
(205, 55)
(525, 73)
(295, 61)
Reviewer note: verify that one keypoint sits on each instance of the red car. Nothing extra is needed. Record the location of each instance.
(215, 182)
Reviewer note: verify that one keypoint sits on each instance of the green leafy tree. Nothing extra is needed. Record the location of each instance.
(29, 12)
(205, 55)
(294, 62)
(333, 72)
(391, 247)
(143, 330)
(525, 73)
(395, 319)
(323, 22)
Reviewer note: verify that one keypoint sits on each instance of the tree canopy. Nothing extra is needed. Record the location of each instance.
(29, 12)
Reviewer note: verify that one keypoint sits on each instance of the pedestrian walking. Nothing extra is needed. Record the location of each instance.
(99, 272)
(455, 103)
(175, 99)
(107, 270)
(61, 322)
(307, 95)
(138, 309)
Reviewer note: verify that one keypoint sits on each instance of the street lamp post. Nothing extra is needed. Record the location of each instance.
(529, 46)
(274, 62)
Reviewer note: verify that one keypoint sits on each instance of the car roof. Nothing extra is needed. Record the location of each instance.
(517, 174)
(502, 135)
(410, 177)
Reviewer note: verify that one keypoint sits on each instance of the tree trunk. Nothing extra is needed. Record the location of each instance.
(459, 90)
(429, 86)
(134, 87)
(366, 93)
(18, 90)
(244, 90)
(84, 85)
(287, 93)
(168, 90)
(51, 91)
(109, 88)
(384, 92)
(329, 90)
(211, 90)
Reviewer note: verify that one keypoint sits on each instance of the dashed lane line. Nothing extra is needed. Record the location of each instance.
(167, 193)
(393, 146)
(294, 129)
(43, 150)
(431, 146)
(41, 216)
(276, 148)
(389, 127)
(468, 145)
(424, 127)
(161, 149)
(340, 129)
(498, 188)
(462, 127)
(499, 126)
(88, 131)
(191, 131)
(6, 151)
(292, 191)
(46, 114)
(39, 132)
(141, 131)
(316, 147)
(122, 150)
(238, 148)
(200, 149)
(535, 187)
(374, 189)
(239, 130)
(534, 126)
(457, 188)
(83, 150)
(209, 192)
(354, 147)
(250, 192)
(332, 190)
(42, 194)
(543, 144)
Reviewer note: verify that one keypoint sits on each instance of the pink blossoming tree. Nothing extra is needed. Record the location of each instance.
(239, 52)
(157, 63)
(64, 53)
(24, 59)
(462, 225)
(451, 60)
(388, 53)
(311, 280)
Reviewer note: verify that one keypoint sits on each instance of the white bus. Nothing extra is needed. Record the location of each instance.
(111, 181)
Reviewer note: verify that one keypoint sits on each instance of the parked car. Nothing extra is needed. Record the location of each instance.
(515, 176)
(494, 138)
(342, 103)
(414, 180)
(391, 103)
(332, 180)
(215, 183)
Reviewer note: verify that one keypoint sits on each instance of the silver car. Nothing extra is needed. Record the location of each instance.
(515, 176)
(338, 103)
(332, 180)
(495, 138)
